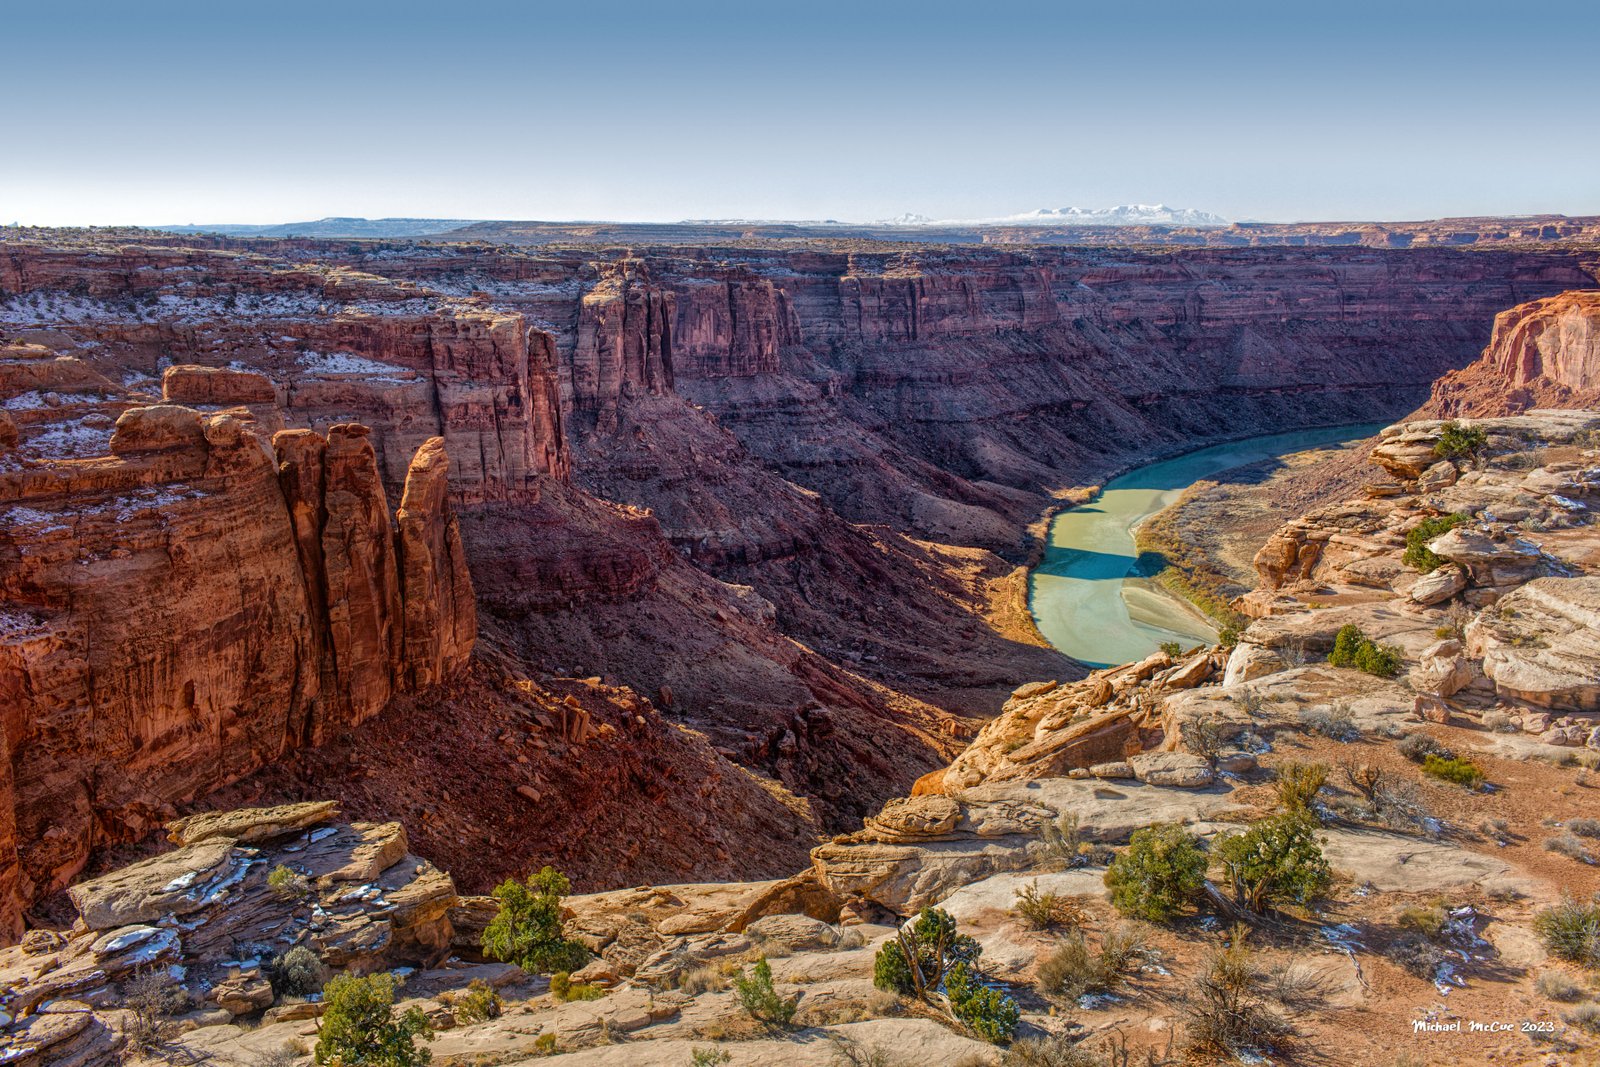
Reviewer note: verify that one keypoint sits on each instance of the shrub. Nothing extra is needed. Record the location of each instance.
(1457, 441)
(1298, 985)
(987, 1012)
(1570, 846)
(709, 1057)
(1228, 636)
(359, 1025)
(563, 988)
(1417, 955)
(1584, 1017)
(1172, 649)
(1428, 921)
(1570, 930)
(1225, 1012)
(1159, 872)
(1059, 846)
(1364, 778)
(1297, 785)
(704, 979)
(1337, 723)
(1207, 737)
(1556, 985)
(1054, 1050)
(527, 928)
(152, 997)
(1046, 911)
(1499, 722)
(1418, 747)
(479, 1003)
(1352, 648)
(297, 972)
(1584, 827)
(760, 999)
(288, 883)
(1074, 970)
(1275, 861)
(1417, 554)
(1460, 771)
(917, 960)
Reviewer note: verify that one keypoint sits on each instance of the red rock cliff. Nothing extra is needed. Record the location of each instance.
(181, 611)
(1545, 353)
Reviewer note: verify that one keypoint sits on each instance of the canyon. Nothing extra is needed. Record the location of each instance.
(776, 496)
(1494, 661)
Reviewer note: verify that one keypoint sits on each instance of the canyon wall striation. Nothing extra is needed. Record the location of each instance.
(183, 601)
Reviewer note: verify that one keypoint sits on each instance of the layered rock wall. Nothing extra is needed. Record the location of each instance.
(180, 612)
(1544, 353)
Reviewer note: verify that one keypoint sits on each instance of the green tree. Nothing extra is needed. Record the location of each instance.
(1417, 554)
(759, 997)
(987, 1012)
(915, 962)
(1277, 860)
(1457, 441)
(1158, 873)
(1352, 648)
(527, 929)
(359, 1028)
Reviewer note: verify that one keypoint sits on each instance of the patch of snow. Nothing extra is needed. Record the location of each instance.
(18, 623)
(133, 936)
(326, 363)
(1122, 215)
(72, 439)
(183, 881)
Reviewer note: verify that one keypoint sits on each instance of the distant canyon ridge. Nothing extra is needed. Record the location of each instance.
(648, 557)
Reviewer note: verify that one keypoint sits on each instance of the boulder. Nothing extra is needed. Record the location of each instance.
(906, 818)
(797, 933)
(1407, 454)
(1181, 770)
(243, 994)
(1541, 643)
(1438, 585)
(1249, 660)
(1443, 670)
(1438, 476)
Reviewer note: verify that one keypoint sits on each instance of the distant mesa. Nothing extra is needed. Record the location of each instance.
(335, 226)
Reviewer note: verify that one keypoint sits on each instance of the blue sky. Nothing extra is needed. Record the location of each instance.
(158, 112)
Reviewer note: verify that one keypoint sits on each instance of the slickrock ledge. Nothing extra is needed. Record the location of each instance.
(206, 910)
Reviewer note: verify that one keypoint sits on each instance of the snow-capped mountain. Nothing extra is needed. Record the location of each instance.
(1123, 215)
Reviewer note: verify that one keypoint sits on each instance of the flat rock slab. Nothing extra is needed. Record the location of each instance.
(919, 1041)
(987, 902)
(251, 825)
(1394, 863)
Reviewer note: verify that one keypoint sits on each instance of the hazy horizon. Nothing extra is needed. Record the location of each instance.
(183, 113)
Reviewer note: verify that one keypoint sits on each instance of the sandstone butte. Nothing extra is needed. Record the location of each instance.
(774, 497)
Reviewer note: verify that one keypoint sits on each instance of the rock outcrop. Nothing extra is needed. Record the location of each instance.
(1544, 354)
(188, 607)
(207, 912)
